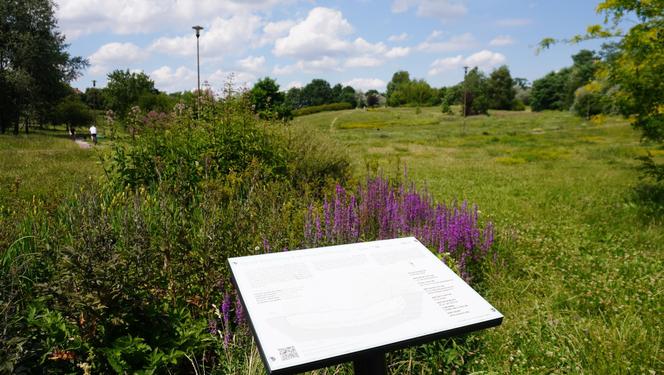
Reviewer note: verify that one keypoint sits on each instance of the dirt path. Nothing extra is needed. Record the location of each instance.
(83, 144)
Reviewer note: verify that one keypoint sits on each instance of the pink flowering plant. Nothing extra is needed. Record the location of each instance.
(380, 209)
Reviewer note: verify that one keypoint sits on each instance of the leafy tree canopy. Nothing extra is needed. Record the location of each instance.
(35, 67)
(124, 89)
(634, 66)
(317, 92)
(501, 88)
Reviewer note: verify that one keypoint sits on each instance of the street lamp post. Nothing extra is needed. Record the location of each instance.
(465, 95)
(198, 69)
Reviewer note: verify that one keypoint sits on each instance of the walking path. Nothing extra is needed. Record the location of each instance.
(83, 144)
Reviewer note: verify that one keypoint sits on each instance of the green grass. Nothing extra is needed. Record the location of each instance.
(45, 164)
(579, 278)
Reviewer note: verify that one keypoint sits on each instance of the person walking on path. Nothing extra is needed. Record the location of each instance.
(93, 133)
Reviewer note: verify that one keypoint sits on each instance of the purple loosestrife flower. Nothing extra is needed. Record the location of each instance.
(227, 338)
(212, 326)
(226, 309)
(226, 315)
(319, 232)
(240, 319)
(381, 209)
(326, 210)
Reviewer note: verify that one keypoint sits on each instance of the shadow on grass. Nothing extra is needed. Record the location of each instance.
(649, 198)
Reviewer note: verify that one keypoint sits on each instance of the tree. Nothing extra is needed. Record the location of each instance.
(124, 89)
(373, 98)
(74, 113)
(476, 88)
(635, 67)
(522, 91)
(94, 98)
(317, 92)
(395, 96)
(35, 67)
(550, 91)
(582, 72)
(156, 101)
(501, 89)
(420, 93)
(637, 70)
(337, 92)
(266, 97)
(294, 98)
(347, 96)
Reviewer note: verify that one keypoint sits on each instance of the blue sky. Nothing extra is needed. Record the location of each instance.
(360, 42)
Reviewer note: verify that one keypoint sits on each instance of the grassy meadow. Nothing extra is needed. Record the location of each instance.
(45, 164)
(579, 278)
(579, 271)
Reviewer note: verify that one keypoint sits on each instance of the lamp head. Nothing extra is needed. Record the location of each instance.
(198, 30)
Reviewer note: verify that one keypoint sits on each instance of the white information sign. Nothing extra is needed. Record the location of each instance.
(307, 306)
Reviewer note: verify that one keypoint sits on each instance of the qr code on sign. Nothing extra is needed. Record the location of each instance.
(288, 353)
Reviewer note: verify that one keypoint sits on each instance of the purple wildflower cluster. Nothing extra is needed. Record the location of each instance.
(229, 315)
(381, 210)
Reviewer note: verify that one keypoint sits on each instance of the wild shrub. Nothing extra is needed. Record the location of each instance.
(180, 153)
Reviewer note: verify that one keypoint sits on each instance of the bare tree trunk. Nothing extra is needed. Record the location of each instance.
(27, 123)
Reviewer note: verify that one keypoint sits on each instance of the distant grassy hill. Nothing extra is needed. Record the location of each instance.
(580, 274)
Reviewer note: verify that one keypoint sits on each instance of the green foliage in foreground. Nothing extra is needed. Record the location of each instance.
(579, 266)
(124, 275)
(128, 275)
(581, 253)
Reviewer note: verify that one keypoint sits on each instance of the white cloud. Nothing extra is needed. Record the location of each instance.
(484, 60)
(397, 52)
(366, 84)
(441, 9)
(169, 80)
(514, 22)
(240, 80)
(321, 40)
(454, 43)
(115, 55)
(292, 84)
(448, 63)
(501, 40)
(275, 30)
(363, 62)
(324, 64)
(223, 36)
(184, 79)
(398, 38)
(320, 34)
(252, 64)
(79, 17)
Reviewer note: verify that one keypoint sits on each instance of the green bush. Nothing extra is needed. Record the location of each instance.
(587, 102)
(180, 154)
(518, 105)
(73, 112)
(322, 108)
